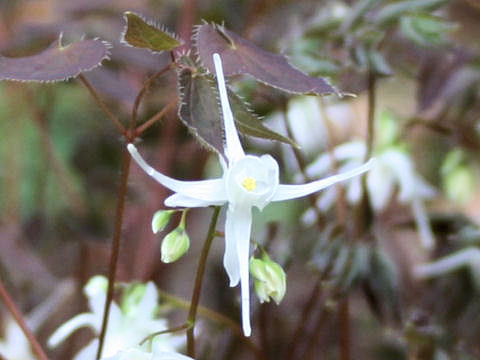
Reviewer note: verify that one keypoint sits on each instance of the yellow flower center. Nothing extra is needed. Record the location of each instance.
(249, 183)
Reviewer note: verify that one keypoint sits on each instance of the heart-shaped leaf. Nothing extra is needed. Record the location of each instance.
(240, 56)
(147, 35)
(200, 112)
(56, 63)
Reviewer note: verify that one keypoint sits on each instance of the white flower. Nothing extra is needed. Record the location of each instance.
(127, 326)
(247, 181)
(14, 345)
(140, 354)
(393, 170)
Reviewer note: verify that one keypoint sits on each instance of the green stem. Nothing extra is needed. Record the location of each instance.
(17, 315)
(115, 247)
(198, 282)
(167, 331)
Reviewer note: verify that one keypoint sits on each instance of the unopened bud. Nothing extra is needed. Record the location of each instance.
(174, 245)
(160, 220)
(270, 281)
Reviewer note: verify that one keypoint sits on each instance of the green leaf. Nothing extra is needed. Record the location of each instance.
(249, 124)
(393, 12)
(378, 64)
(200, 112)
(240, 56)
(57, 62)
(147, 35)
(425, 29)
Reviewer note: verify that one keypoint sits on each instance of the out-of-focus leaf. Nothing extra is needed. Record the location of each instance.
(394, 11)
(356, 14)
(425, 29)
(56, 63)
(240, 56)
(142, 34)
(378, 64)
(383, 285)
(200, 111)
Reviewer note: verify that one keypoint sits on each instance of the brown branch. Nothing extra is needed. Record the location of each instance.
(19, 318)
(102, 105)
(139, 130)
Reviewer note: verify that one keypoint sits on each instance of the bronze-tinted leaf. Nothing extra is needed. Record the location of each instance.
(56, 63)
(200, 111)
(142, 34)
(240, 56)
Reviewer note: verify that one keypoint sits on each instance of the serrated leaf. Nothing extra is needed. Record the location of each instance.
(249, 124)
(200, 111)
(56, 63)
(146, 35)
(240, 56)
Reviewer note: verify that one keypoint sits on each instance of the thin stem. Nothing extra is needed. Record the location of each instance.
(372, 79)
(198, 282)
(104, 107)
(167, 331)
(218, 318)
(122, 192)
(344, 338)
(19, 318)
(144, 89)
(139, 130)
(306, 313)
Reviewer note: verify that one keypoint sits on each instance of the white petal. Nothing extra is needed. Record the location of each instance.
(466, 257)
(401, 165)
(237, 235)
(149, 303)
(380, 185)
(233, 147)
(286, 192)
(423, 224)
(212, 191)
(230, 259)
(353, 151)
(75, 323)
(180, 200)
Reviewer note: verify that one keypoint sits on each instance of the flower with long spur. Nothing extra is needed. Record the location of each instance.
(248, 181)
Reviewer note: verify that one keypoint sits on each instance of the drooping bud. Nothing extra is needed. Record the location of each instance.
(175, 245)
(270, 281)
(160, 220)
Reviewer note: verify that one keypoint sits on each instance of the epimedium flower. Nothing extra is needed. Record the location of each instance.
(394, 170)
(129, 323)
(248, 181)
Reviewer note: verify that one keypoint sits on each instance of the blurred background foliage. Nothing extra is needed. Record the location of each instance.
(352, 290)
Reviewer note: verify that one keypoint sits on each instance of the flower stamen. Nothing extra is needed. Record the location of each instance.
(249, 183)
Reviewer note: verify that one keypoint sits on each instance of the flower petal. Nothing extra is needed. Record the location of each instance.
(75, 323)
(423, 224)
(287, 192)
(237, 246)
(180, 200)
(210, 191)
(233, 147)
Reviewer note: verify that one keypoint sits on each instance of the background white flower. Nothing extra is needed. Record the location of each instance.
(393, 171)
(127, 325)
(248, 181)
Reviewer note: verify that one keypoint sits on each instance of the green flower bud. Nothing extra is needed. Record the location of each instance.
(460, 184)
(270, 281)
(174, 245)
(97, 284)
(160, 220)
(132, 297)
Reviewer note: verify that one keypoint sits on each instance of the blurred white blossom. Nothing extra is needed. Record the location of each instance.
(394, 173)
(137, 353)
(128, 324)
